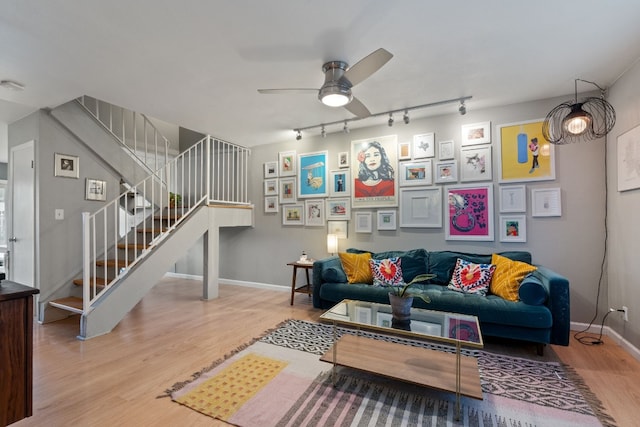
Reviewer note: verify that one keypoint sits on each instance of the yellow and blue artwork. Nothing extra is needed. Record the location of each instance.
(524, 153)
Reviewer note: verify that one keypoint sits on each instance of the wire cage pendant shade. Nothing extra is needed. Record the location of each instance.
(590, 119)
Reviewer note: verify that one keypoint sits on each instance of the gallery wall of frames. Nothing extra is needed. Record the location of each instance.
(383, 184)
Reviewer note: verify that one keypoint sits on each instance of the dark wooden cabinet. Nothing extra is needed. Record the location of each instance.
(16, 351)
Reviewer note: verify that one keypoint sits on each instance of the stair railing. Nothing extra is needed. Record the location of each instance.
(210, 171)
(134, 131)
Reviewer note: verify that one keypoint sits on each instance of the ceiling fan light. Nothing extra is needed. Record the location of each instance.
(335, 100)
(577, 121)
(335, 95)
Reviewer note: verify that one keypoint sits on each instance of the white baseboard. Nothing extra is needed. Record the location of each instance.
(232, 282)
(619, 339)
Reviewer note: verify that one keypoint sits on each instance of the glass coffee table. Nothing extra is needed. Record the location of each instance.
(452, 372)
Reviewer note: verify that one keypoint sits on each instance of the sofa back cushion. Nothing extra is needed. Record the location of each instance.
(414, 261)
(442, 263)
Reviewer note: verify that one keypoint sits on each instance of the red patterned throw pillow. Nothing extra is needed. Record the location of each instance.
(470, 278)
(386, 272)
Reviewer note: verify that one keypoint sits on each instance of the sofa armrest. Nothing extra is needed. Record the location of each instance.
(558, 302)
(319, 267)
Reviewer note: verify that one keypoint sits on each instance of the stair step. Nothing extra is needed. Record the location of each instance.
(155, 230)
(174, 216)
(121, 263)
(73, 304)
(137, 246)
(100, 282)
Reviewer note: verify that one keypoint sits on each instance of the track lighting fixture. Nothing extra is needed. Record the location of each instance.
(345, 123)
(11, 85)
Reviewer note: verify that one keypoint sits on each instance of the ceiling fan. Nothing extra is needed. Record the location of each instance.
(339, 78)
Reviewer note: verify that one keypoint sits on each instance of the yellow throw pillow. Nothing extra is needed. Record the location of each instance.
(507, 276)
(356, 266)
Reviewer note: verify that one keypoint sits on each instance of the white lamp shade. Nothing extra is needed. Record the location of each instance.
(332, 243)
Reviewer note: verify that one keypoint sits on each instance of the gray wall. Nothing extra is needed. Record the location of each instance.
(624, 227)
(572, 244)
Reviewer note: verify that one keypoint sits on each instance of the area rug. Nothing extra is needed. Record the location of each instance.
(278, 380)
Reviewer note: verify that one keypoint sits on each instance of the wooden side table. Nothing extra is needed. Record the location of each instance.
(307, 289)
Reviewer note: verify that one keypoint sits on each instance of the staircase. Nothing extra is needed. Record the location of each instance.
(120, 267)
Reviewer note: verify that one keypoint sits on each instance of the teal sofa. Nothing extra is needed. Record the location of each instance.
(541, 316)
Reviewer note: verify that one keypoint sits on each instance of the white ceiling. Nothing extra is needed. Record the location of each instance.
(199, 63)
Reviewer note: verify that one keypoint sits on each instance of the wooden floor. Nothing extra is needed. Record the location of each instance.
(113, 380)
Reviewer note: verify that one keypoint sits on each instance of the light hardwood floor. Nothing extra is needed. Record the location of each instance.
(113, 380)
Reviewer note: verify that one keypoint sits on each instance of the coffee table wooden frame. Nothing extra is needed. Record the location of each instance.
(415, 365)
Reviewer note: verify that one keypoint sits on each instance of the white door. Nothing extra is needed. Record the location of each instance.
(21, 238)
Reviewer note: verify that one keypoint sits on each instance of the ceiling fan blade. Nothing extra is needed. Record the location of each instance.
(287, 91)
(357, 108)
(367, 66)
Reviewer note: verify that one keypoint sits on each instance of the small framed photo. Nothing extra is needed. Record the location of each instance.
(286, 163)
(476, 133)
(446, 172)
(343, 159)
(271, 187)
(387, 220)
(363, 314)
(423, 146)
(475, 164)
(421, 207)
(339, 182)
(287, 190)
(404, 151)
(95, 189)
(513, 199)
(270, 204)
(384, 319)
(271, 170)
(339, 228)
(339, 208)
(446, 150)
(513, 228)
(314, 213)
(416, 173)
(66, 166)
(292, 215)
(546, 202)
(363, 222)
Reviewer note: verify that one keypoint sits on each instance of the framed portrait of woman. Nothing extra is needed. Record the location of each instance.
(374, 172)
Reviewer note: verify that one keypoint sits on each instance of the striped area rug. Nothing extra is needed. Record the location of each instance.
(279, 381)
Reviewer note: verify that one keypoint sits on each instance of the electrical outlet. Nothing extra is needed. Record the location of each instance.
(626, 313)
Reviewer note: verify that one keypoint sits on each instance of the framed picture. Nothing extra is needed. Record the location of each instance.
(546, 202)
(387, 220)
(339, 208)
(343, 159)
(384, 319)
(287, 190)
(475, 164)
(363, 314)
(66, 166)
(513, 198)
(469, 212)
(339, 228)
(270, 204)
(460, 327)
(415, 173)
(446, 150)
(421, 207)
(312, 181)
(292, 215)
(314, 213)
(424, 145)
(271, 170)
(286, 163)
(628, 146)
(339, 181)
(524, 154)
(446, 172)
(476, 133)
(363, 222)
(95, 189)
(513, 228)
(271, 187)
(404, 151)
(373, 168)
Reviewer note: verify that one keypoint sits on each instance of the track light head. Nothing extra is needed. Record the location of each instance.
(406, 117)
(462, 109)
(390, 122)
(345, 129)
(298, 135)
(323, 133)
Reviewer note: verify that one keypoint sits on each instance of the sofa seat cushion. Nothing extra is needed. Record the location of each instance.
(413, 262)
(442, 263)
